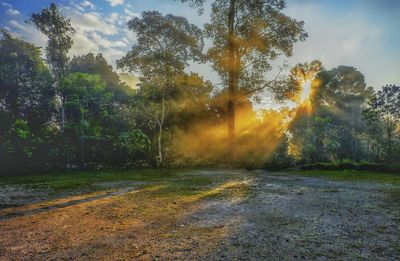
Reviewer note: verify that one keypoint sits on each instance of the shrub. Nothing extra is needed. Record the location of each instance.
(346, 165)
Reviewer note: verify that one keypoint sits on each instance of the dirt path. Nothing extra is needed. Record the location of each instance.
(238, 216)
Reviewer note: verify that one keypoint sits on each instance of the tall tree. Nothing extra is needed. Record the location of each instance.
(88, 109)
(58, 29)
(165, 46)
(247, 35)
(341, 96)
(26, 96)
(374, 133)
(387, 105)
(97, 64)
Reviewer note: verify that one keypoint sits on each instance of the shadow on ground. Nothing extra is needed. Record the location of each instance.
(210, 215)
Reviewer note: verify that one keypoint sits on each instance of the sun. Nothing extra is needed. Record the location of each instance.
(308, 85)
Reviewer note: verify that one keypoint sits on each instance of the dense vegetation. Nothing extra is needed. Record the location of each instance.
(62, 113)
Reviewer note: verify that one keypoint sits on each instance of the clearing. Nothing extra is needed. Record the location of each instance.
(200, 214)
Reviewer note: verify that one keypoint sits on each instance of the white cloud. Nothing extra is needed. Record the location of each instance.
(97, 33)
(95, 43)
(27, 32)
(16, 25)
(94, 32)
(130, 36)
(113, 18)
(12, 11)
(90, 21)
(115, 2)
(5, 4)
(130, 14)
(88, 4)
(83, 44)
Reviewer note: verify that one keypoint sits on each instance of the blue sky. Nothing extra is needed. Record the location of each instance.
(361, 33)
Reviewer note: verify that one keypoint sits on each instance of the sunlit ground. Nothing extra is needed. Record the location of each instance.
(122, 226)
(219, 214)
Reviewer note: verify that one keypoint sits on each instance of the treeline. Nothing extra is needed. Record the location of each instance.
(62, 113)
(349, 122)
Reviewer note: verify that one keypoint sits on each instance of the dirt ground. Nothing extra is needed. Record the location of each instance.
(221, 215)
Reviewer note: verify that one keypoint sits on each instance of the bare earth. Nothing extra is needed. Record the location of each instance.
(239, 215)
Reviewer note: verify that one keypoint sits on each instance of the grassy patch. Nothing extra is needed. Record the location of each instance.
(170, 182)
(352, 175)
(79, 179)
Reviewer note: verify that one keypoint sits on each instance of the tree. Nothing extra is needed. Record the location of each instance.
(374, 134)
(165, 46)
(26, 101)
(333, 128)
(341, 96)
(58, 29)
(247, 35)
(132, 145)
(387, 105)
(96, 64)
(88, 107)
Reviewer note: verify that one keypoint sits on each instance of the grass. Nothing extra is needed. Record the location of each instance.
(79, 179)
(352, 175)
(171, 182)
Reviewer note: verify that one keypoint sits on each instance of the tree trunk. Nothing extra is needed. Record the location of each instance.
(160, 132)
(232, 74)
(160, 154)
(63, 98)
(389, 133)
(82, 148)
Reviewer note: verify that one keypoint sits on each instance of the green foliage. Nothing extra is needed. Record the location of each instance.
(386, 104)
(26, 105)
(280, 159)
(165, 46)
(58, 29)
(92, 64)
(133, 145)
(21, 128)
(336, 128)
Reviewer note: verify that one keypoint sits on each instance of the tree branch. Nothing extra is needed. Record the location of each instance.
(268, 84)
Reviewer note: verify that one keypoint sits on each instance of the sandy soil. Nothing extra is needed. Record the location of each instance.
(242, 216)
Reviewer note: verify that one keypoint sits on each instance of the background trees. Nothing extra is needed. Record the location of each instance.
(386, 104)
(349, 121)
(164, 48)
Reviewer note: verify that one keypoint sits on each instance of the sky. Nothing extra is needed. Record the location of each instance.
(364, 34)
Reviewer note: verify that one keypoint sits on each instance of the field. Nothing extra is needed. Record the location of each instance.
(200, 214)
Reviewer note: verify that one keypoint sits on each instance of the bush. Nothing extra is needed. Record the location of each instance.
(346, 165)
(371, 166)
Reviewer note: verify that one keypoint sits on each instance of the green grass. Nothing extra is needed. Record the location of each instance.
(352, 175)
(171, 183)
(78, 179)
